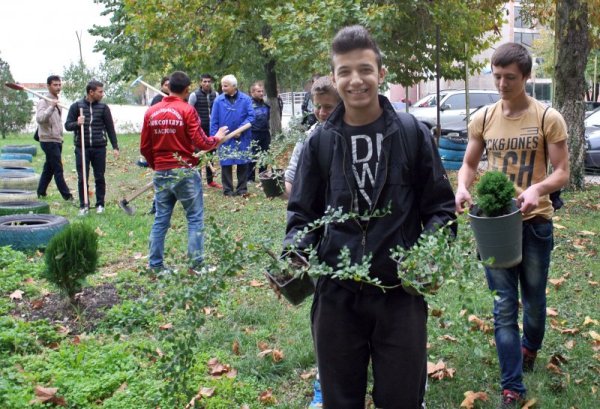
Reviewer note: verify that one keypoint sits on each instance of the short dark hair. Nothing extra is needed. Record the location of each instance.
(92, 86)
(257, 84)
(324, 85)
(164, 79)
(204, 76)
(510, 53)
(354, 38)
(178, 82)
(52, 78)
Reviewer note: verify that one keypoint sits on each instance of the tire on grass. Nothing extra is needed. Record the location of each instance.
(449, 154)
(14, 162)
(17, 195)
(18, 156)
(19, 180)
(454, 144)
(30, 149)
(8, 169)
(24, 207)
(451, 164)
(29, 232)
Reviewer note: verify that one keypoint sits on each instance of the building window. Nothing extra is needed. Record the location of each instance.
(518, 18)
(526, 39)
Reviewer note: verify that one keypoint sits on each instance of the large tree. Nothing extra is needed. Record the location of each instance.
(576, 30)
(15, 107)
(289, 41)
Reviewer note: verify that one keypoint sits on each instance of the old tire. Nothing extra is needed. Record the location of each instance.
(451, 164)
(19, 180)
(449, 154)
(29, 232)
(17, 195)
(8, 169)
(24, 207)
(30, 149)
(16, 156)
(14, 162)
(454, 144)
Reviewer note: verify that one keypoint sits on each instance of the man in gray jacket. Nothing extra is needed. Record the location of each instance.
(50, 130)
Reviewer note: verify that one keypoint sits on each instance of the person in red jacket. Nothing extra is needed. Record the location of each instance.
(171, 133)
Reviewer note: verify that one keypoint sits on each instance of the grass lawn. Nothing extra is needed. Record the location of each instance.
(141, 340)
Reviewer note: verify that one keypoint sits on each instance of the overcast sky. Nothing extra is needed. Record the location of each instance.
(37, 37)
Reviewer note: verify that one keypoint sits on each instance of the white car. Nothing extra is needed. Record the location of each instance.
(453, 106)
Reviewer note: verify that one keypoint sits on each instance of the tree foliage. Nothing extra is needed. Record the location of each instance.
(287, 42)
(15, 107)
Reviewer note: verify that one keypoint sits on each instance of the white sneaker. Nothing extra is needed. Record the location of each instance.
(83, 211)
(100, 209)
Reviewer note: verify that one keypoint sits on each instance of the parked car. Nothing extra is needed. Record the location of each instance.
(592, 140)
(453, 106)
(590, 106)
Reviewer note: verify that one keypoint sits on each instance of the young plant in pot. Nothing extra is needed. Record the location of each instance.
(497, 221)
(288, 276)
(271, 180)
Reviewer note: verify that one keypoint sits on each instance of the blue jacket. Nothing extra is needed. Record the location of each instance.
(262, 114)
(234, 114)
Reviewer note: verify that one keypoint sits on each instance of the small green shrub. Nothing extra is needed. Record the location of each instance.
(71, 256)
(494, 194)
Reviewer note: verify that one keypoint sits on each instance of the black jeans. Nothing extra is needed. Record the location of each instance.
(354, 326)
(261, 141)
(97, 158)
(53, 168)
(227, 179)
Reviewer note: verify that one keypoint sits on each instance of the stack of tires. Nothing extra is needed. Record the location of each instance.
(452, 151)
(25, 222)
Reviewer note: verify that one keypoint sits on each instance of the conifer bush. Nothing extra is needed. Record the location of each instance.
(70, 257)
(495, 193)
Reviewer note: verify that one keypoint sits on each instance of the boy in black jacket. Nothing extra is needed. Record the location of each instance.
(97, 125)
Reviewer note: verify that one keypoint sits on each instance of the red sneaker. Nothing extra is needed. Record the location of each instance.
(528, 359)
(215, 185)
(511, 399)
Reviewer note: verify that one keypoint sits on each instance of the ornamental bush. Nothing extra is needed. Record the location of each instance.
(70, 257)
(494, 194)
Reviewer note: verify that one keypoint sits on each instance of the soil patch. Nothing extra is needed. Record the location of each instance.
(93, 302)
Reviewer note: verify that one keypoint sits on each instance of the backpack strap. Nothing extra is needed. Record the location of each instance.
(409, 123)
(325, 146)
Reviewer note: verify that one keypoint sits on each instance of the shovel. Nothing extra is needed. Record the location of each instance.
(124, 204)
(19, 87)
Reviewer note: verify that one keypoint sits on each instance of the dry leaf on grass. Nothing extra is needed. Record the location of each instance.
(47, 395)
(439, 371)
(267, 397)
(589, 321)
(256, 283)
(479, 324)
(529, 404)
(551, 312)
(594, 335)
(235, 347)
(554, 368)
(166, 326)
(447, 337)
(557, 282)
(16, 295)
(471, 397)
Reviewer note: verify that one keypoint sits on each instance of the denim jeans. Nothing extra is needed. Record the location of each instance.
(532, 274)
(170, 186)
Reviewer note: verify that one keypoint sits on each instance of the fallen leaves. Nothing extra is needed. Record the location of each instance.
(166, 326)
(267, 398)
(216, 369)
(203, 392)
(471, 397)
(439, 371)
(16, 295)
(47, 395)
(479, 324)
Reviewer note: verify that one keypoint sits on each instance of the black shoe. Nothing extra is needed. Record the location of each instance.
(41, 195)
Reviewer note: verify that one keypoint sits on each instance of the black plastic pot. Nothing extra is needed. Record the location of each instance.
(272, 182)
(295, 289)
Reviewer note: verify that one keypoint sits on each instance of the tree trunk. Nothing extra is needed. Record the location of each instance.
(272, 91)
(573, 49)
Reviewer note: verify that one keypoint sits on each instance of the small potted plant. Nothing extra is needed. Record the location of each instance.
(271, 179)
(288, 275)
(497, 221)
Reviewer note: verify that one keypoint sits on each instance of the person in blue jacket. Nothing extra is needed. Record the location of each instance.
(261, 134)
(233, 109)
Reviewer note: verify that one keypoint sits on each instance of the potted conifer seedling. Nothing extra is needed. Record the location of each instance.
(497, 221)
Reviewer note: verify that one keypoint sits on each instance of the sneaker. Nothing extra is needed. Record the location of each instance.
(83, 211)
(317, 401)
(215, 185)
(511, 399)
(99, 209)
(528, 359)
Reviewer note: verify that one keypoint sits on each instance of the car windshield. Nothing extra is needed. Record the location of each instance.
(593, 119)
(428, 101)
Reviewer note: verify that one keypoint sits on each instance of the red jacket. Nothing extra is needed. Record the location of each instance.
(170, 133)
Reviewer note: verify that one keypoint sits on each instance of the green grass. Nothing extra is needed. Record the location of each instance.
(119, 365)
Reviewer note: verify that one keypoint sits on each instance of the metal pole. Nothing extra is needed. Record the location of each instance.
(467, 98)
(438, 128)
(595, 79)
